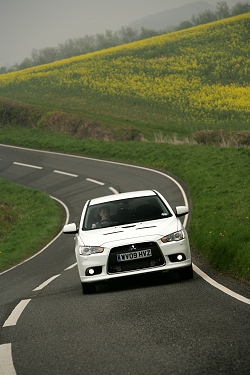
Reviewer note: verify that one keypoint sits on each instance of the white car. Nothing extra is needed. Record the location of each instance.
(127, 234)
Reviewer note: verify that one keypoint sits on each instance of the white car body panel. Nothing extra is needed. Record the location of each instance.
(129, 232)
(133, 238)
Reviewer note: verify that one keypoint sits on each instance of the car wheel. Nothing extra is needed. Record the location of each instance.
(186, 273)
(88, 288)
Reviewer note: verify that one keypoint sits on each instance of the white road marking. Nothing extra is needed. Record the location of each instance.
(232, 294)
(219, 286)
(46, 283)
(113, 190)
(66, 173)
(95, 181)
(6, 363)
(70, 267)
(14, 316)
(27, 165)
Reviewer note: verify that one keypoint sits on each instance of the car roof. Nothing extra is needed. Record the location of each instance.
(116, 197)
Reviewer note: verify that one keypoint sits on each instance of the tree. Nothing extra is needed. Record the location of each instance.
(194, 20)
(127, 34)
(35, 56)
(66, 49)
(47, 55)
(90, 43)
(147, 33)
(86, 44)
(112, 38)
(26, 63)
(240, 8)
(3, 70)
(109, 39)
(184, 25)
(205, 17)
(222, 10)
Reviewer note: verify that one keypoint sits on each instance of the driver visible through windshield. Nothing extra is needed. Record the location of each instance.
(125, 211)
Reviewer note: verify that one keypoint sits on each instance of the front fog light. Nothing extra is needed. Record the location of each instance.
(91, 271)
(177, 257)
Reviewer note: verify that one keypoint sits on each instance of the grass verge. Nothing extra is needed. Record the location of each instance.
(217, 178)
(28, 220)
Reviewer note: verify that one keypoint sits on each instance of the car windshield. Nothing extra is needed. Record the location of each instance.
(125, 211)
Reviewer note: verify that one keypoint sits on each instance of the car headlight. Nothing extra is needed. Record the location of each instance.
(176, 236)
(88, 250)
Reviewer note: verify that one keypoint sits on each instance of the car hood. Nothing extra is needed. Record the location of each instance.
(135, 232)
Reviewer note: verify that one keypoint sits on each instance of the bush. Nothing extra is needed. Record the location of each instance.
(223, 138)
(30, 116)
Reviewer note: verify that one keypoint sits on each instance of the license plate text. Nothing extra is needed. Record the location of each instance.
(134, 255)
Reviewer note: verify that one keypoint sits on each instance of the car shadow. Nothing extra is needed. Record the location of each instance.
(138, 282)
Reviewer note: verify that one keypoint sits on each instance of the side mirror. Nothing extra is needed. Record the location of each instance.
(70, 229)
(181, 211)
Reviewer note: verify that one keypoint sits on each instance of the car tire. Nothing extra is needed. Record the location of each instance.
(88, 288)
(186, 273)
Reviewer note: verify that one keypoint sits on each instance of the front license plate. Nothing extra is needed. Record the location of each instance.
(134, 255)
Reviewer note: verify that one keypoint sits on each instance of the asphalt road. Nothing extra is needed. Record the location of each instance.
(142, 325)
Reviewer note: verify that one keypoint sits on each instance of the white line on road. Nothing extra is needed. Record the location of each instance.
(113, 190)
(70, 267)
(45, 283)
(95, 181)
(14, 316)
(6, 363)
(66, 173)
(196, 269)
(220, 287)
(27, 165)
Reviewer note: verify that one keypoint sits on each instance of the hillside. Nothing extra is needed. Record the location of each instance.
(171, 17)
(179, 82)
(176, 84)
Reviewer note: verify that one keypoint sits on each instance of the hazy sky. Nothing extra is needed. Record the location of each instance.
(36, 24)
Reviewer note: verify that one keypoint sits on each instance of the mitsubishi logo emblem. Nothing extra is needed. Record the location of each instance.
(132, 248)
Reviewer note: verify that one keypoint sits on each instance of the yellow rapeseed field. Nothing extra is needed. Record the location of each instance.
(199, 74)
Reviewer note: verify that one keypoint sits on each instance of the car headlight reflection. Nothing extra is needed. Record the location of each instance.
(176, 236)
(89, 250)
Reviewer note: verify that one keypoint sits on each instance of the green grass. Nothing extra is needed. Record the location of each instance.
(181, 82)
(173, 85)
(217, 178)
(28, 220)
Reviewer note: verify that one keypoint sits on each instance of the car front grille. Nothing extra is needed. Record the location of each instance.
(156, 259)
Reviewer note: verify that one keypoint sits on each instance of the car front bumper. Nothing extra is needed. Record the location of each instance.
(96, 267)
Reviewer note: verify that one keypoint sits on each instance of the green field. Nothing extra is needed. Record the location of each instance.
(28, 218)
(217, 178)
(177, 83)
(152, 101)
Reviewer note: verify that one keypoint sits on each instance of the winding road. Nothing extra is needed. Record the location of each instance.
(155, 325)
